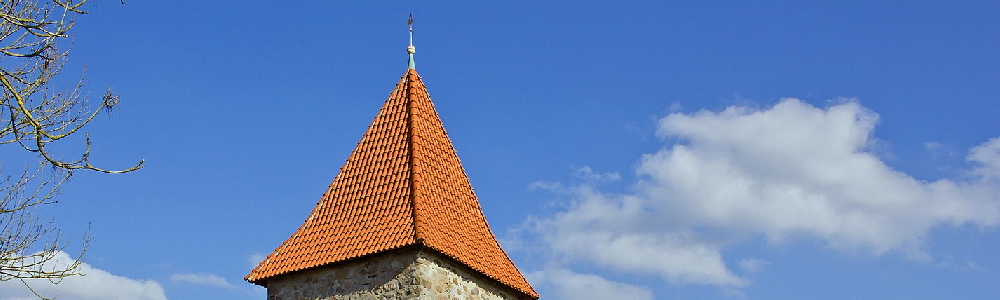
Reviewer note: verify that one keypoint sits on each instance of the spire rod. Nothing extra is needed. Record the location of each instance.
(410, 50)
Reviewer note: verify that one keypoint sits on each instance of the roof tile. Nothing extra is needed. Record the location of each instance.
(402, 185)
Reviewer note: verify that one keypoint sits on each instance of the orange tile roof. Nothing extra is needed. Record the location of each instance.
(402, 185)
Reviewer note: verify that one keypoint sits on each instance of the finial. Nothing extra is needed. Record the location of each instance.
(410, 49)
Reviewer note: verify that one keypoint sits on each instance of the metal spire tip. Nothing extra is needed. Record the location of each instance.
(410, 49)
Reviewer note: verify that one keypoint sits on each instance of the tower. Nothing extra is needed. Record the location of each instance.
(399, 221)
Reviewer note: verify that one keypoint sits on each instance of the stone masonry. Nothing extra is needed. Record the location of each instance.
(413, 273)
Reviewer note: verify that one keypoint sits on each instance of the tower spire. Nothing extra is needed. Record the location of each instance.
(410, 50)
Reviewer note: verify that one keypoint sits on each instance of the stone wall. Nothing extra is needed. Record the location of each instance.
(404, 274)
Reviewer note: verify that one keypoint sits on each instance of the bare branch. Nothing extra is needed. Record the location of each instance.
(33, 116)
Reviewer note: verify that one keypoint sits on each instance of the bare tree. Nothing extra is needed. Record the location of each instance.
(34, 116)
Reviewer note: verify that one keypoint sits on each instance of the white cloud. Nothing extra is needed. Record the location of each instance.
(796, 169)
(255, 259)
(562, 284)
(675, 107)
(95, 285)
(616, 232)
(752, 265)
(587, 173)
(217, 281)
(987, 159)
(972, 265)
(787, 172)
(203, 279)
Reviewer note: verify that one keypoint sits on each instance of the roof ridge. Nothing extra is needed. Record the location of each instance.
(409, 130)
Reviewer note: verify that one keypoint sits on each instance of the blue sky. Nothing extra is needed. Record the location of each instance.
(765, 150)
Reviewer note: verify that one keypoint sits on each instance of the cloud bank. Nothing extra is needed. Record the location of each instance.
(788, 172)
(95, 285)
(567, 284)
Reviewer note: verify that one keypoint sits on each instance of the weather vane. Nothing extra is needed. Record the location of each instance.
(410, 23)
(410, 50)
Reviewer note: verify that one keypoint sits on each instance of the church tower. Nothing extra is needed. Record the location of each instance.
(400, 220)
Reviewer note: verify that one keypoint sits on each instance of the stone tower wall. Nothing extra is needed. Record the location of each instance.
(405, 274)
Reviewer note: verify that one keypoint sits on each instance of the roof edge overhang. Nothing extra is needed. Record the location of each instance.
(417, 246)
(263, 280)
(465, 265)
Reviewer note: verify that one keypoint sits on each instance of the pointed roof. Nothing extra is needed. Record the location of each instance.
(403, 185)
